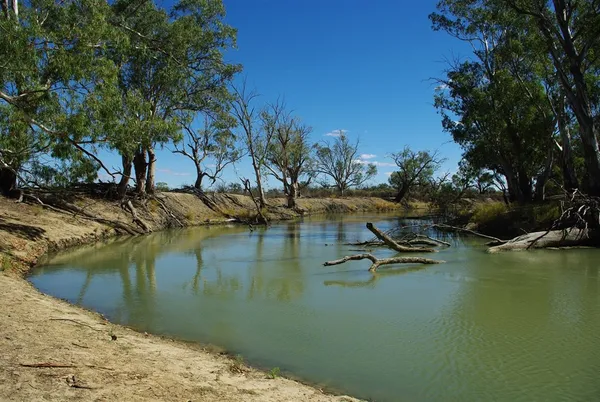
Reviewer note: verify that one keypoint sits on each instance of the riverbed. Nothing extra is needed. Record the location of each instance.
(514, 326)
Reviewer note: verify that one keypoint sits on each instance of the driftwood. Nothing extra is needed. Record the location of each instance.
(128, 206)
(376, 262)
(553, 238)
(47, 365)
(391, 243)
(458, 229)
(60, 206)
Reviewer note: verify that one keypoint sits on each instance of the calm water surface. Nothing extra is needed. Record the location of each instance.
(509, 327)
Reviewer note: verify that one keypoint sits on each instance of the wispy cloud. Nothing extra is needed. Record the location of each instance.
(388, 173)
(376, 163)
(367, 156)
(172, 173)
(336, 133)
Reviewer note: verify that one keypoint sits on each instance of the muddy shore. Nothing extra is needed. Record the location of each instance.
(53, 351)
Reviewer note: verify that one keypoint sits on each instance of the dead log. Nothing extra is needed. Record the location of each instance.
(391, 243)
(457, 229)
(127, 205)
(553, 238)
(376, 262)
(56, 205)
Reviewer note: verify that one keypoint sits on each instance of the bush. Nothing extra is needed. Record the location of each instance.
(487, 212)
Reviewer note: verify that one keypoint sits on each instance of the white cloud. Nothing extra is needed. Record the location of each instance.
(367, 156)
(336, 133)
(376, 163)
(388, 173)
(441, 87)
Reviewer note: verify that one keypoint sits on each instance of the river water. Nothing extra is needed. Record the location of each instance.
(521, 326)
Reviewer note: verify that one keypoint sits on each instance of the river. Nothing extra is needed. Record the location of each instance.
(522, 326)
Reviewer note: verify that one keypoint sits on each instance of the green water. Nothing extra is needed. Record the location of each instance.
(508, 327)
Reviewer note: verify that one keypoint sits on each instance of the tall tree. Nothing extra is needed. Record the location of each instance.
(172, 69)
(57, 88)
(289, 151)
(339, 161)
(414, 168)
(496, 110)
(211, 148)
(255, 140)
(572, 32)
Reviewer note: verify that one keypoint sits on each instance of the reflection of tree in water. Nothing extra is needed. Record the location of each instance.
(280, 277)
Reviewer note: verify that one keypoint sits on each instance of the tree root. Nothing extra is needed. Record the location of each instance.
(376, 262)
(63, 207)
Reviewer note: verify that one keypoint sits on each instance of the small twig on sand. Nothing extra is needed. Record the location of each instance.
(47, 365)
(376, 262)
(80, 346)
(76, 322)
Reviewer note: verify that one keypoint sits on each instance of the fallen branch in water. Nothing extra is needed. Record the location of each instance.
(376, 262)
(458, 229)
(391, 243)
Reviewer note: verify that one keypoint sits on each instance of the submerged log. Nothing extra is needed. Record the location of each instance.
(474, 233)
(376, 262)
(553, 238)
(391, 243)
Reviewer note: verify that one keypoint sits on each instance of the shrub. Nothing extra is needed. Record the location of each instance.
(487, 212)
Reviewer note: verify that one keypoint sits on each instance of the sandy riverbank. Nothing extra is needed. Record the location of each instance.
(40, 330)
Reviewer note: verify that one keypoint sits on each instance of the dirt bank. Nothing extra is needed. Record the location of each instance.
(40, 330)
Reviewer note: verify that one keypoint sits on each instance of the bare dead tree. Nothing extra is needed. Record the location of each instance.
(288, 154)
(339, 161)
(255, 140)
(211, 148)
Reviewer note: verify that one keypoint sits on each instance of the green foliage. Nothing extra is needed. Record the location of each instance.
(339, 162)
(162, 186)
(414, 169)
(487, 212)
(274, 373)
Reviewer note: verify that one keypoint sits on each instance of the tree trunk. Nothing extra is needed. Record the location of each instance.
(542, 179)
(568, 167)
(5, 8)
(401, 194)
(199, 177)
(151, 171)
(140, 165)
(261, 194)
(125, 177)
(591, 154)
(8, 184)
(292, 195)
(15, 4)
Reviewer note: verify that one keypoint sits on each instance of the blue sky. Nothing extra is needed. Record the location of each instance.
(358, 65)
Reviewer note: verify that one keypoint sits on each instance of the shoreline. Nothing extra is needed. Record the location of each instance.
(46, 332)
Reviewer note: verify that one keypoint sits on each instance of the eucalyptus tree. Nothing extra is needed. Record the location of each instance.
(338, 160)
(212, 148)
(256, 141)
(414, 169)
(57, 88)
(571, 30)
(288, 154)
(172, 68)
(497, 111)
